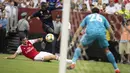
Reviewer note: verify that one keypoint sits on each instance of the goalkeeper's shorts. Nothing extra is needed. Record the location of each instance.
(87, 40)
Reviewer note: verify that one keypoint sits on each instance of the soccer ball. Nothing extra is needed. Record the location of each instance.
(49, 37)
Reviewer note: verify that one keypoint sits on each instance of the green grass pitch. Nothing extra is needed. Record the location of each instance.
(24, 65)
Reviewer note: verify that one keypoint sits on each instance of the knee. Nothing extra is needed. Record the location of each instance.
(78, 49)
(49, 30)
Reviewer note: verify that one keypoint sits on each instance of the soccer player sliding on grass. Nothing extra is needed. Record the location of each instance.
(96, 26)
(29, 51)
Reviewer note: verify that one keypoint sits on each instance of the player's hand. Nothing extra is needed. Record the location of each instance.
(5, 57)
(10, 57)
(40, 39)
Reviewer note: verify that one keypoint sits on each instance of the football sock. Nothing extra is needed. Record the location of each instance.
(112, 59)
(77, 53)
(69, 61)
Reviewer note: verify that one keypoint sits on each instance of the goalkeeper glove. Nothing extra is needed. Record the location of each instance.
(71, 45)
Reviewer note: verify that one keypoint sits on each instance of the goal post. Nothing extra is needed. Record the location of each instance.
(65, 35)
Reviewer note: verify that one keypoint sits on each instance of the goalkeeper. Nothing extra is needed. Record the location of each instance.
(96, 26)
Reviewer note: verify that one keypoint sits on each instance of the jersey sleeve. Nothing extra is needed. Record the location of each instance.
(33, 41)
(106, 23)
(19, 50)
(84, 22)
(36, 14)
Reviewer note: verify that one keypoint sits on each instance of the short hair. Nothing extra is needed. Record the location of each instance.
(43, 3)
(95, 10)
(22, 37)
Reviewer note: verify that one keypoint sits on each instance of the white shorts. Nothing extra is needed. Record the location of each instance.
(41, 55)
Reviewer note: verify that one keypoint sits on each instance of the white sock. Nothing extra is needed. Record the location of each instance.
(73, 62)
(117, 69)
(69, 61)
(57, 57)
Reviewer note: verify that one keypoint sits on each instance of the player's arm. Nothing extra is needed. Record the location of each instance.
(75, 36)
(77, 33)
(81, 26)
(36, 40)
(15, 54)
(12, 56)
(30, 17)
(36, 14)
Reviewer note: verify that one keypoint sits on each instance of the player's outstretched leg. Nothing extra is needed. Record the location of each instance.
(77, 53)
(112, 60)
(58, 59)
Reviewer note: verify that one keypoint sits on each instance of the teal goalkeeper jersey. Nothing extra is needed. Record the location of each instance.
(95, 24)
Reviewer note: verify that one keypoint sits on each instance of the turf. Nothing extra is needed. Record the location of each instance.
(24, 65)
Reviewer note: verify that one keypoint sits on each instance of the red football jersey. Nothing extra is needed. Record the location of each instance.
(28, 50)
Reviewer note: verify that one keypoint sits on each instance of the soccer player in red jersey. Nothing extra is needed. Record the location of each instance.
(28, 50)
